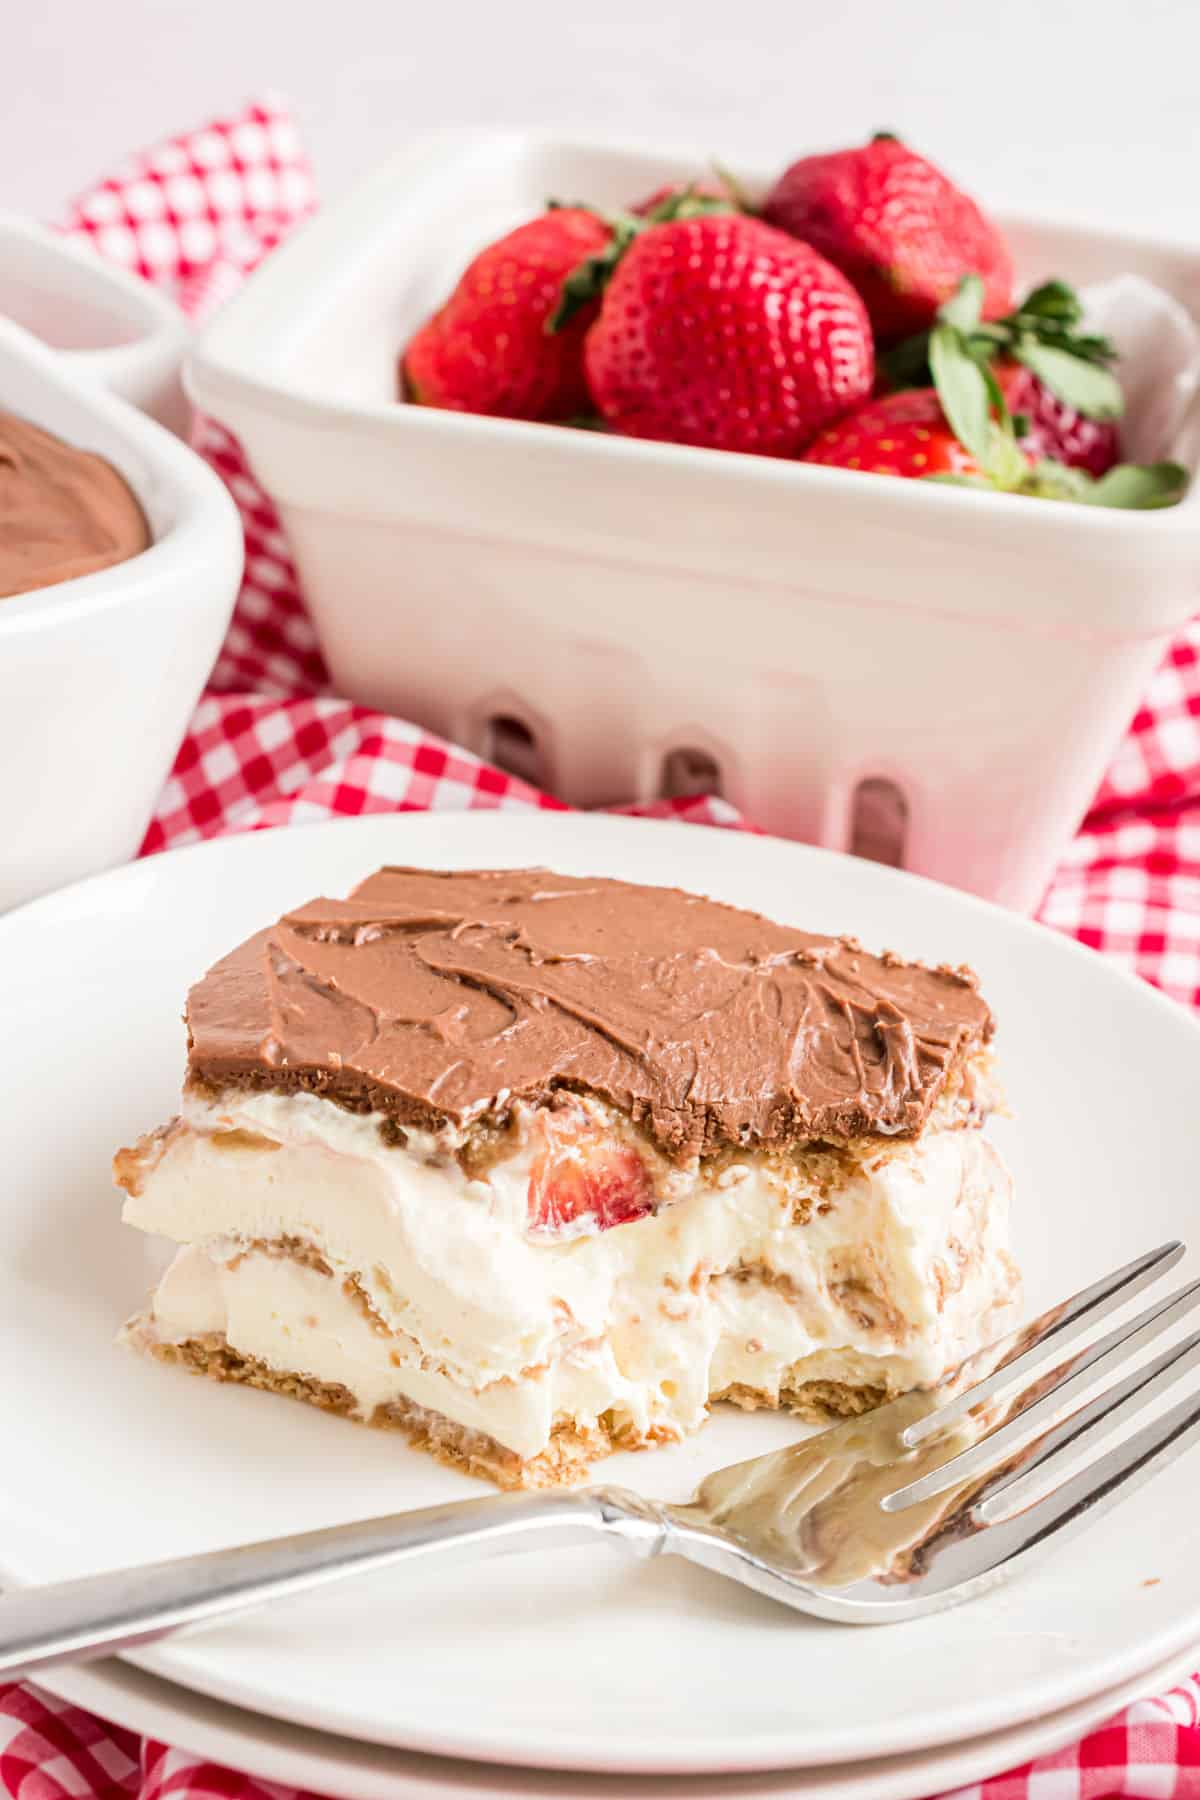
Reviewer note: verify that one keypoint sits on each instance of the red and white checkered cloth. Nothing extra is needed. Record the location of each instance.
(271, 746)
(52, 1751)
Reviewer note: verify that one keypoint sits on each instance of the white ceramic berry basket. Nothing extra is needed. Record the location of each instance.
(99, 675)
(622, 609)
(110, 328)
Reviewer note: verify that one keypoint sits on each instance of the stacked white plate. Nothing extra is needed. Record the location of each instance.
(603, 1676)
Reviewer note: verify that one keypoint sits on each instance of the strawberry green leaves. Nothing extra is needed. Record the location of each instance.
(739, 198)
(964, 382)
(1141, 485)
(1134, 487)
(968, 391)
(589, 280)
(962, 389)
(965, 305)
(1090, 388)
(1043, 333)
(694, 202)
(1053, 313)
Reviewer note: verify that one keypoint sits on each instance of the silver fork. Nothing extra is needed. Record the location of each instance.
(935, 1497)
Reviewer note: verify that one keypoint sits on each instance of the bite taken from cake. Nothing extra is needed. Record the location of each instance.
(537, 1167)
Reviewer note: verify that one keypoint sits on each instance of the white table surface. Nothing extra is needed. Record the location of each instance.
(1062, 106)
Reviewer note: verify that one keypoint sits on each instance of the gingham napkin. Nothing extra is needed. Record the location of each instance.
(271, 746)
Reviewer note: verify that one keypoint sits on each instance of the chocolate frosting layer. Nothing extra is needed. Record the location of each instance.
(63, 511)
(438, 997)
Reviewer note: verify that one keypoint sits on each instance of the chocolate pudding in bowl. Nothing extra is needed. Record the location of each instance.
(64, 512)
(120, 560)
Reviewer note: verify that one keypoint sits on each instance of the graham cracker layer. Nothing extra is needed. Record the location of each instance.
(819, 1402)
(564, 1461)
(567, 1458)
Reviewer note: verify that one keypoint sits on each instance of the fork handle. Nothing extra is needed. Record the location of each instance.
(72, 1621)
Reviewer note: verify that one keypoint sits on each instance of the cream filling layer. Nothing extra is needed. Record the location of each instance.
(902, 1271)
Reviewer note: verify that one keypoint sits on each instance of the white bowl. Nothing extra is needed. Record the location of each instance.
(806, 630)
(111, 328)
(99, 675)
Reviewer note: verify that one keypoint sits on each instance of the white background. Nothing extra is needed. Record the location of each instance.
(1091, 110)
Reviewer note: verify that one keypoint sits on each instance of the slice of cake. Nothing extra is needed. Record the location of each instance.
(537, 1167)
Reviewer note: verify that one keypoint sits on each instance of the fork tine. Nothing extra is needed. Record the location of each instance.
(1111, 1409)
(1095, 1490)
(1049, 1332)
(1043, 1404)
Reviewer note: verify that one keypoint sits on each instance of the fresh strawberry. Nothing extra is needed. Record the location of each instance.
(898, 227)
(909, 434)
(720, 331)
(1056, 377)
(579, 1182)
(1053, 428)
(902, 434)
(488, 349)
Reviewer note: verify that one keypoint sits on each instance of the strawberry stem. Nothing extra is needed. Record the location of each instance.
(735, 189)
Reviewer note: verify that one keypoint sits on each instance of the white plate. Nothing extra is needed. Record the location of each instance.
(318, 1762)
(575, 1661)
